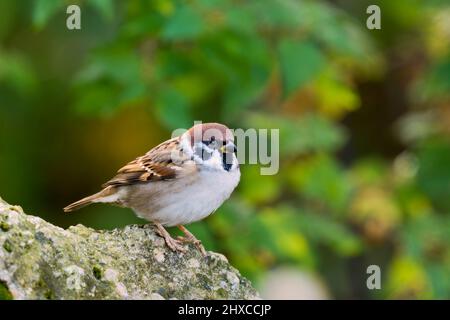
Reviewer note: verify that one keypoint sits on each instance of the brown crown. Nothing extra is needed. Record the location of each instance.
(205, 131)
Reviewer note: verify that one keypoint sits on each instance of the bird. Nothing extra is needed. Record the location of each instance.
(178, 182)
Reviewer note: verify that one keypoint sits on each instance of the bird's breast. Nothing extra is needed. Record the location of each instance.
(186, 199)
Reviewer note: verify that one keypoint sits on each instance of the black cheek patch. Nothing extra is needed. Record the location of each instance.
(227, 161)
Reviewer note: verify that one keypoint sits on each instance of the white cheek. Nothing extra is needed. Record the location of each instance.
(214, 162)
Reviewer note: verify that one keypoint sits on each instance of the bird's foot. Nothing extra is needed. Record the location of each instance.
(194, 241)
(173, 244)
(190, 238)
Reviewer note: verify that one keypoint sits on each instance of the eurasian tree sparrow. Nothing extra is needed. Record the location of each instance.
(178, 182)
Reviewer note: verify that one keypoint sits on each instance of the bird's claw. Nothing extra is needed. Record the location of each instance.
(173, 244)
(194, 241)
(188, 240)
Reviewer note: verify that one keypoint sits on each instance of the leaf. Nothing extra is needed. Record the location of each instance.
(334, 98)
(315, 228)
(368, 171)
(43, 10)
(185, 24)
(426, 238)
(238, 19)
(8, 14)
(98, 99)
(118, 63)
(111, 80)
(133, 91)
(336, 31)
(434, 172)
(284, 237)
(323, 230)
(300, 62)
(376, 211)
(292, 244)
(435, 84)
(319, 178)
(251, 183)
(274, 13)
(17, 71)
(105, 7)
(172, 109)
(408, 279)
(250, 63)
(300, 135)
(142, 25)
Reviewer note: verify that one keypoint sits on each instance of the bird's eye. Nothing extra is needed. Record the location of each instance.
(210, 141)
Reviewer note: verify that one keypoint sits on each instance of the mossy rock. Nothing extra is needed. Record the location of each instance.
(41, 261)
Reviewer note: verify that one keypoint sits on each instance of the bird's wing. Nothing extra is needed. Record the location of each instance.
(155, 165)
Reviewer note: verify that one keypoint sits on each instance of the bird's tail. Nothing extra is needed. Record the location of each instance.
(106, 195)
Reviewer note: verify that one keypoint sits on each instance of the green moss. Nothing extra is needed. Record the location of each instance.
(221, 293)
(40, 236)
(98, 272)
(7, 246)
(4, 226)
(60, 264)
(5, 294)
(203, 281)
(49, 295)
(40, 283)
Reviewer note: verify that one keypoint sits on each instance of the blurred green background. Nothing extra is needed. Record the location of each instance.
(364, 119)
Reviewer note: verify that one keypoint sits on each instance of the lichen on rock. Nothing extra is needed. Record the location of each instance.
(41, 261)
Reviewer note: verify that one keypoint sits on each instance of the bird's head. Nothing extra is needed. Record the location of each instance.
(211, 145)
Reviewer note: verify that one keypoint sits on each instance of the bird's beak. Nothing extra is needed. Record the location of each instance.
(230, 147)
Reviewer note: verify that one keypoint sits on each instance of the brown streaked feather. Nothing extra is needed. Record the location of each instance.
(155, 165)
(90, 199)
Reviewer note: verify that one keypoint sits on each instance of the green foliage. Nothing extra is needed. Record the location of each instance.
(309, 133)
(43, 10)
(300, 63)
(185, 24)
(319, 179)
(434, 172)
(16, 72)
(105, 7)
